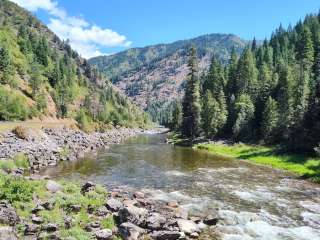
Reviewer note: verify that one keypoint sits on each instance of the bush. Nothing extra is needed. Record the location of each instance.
(85, 122)
(12, 106)
(20, 132)
(15, 189)
(21, 161)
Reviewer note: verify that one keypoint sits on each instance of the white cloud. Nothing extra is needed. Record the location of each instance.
(86, 38)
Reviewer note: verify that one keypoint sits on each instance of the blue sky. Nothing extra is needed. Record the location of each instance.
(106, 26)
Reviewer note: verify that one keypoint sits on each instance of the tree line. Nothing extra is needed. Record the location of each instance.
(270, 93)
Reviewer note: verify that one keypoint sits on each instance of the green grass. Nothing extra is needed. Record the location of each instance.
(24, 194)
(295, 163)
(19, 161)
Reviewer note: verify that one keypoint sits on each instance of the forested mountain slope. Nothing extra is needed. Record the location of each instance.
(269, 94)
(153, 76)
(41, 76)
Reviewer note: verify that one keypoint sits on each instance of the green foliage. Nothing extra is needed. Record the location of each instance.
(14, 189)
(84, 121)
(270, 119)
(271, 93)
(191, 101)
(37, 63)
(244, 110)
(12, 105)
(299, 164)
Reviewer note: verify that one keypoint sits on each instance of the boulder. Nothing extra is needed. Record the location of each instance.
(155, 221)
(165, 235)
(138, 195)
(102, 211)
(31, 229)
(114, 205)
(75, 208)
(133, 214)
(129, 231)
(36, 220)
(8, 215)
(50, 227)
(104, 234)
(87, 187)
(210, 220)
(7, 233)
(187, 226)
(53, 186)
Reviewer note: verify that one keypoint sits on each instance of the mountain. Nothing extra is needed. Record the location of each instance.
(41, 76)
(155, 74)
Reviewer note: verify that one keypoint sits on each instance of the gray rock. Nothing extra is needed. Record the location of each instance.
(133, 214)
(102, 211)
(187, 226)
(165, 235)
(37, 209)
(36, 220)
(31, 229)
(114, 205)
(8, 215)
(129, 231)
(210, 220)
(155, 221)
(50, 227)
(138, 195)
(53, 186)
(7, 233)
(104, 234)
(87, 187)
(74, 208)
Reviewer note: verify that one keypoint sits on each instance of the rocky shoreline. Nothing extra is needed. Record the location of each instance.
(135, 217)
(47, 147)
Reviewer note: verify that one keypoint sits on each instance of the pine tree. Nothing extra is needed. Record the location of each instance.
(284, 99)
(270, 118)
(244, 114)
(191, 101)
(247, 74)
(176, 116)
(5, 66)
(35, 80)
(305, 48)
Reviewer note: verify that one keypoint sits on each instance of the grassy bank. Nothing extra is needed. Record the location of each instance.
(299, 164)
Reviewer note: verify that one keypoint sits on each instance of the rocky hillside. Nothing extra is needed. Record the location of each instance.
(41, 76)
(154, 74)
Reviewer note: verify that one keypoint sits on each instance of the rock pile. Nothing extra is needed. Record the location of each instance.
(50, 146)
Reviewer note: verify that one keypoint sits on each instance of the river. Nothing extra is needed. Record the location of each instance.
(253, 202)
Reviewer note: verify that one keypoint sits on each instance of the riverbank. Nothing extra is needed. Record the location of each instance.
(303, 166)
(48, 146)
(36, 208)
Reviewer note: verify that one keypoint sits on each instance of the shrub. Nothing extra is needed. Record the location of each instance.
(21, 161)
(84, 120)
(12, 106)
(7, 165)
(15, 189)
(20, 132)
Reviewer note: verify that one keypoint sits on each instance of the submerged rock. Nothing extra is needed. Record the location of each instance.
(187, 226)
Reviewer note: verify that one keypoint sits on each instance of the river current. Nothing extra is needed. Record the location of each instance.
(253, 202)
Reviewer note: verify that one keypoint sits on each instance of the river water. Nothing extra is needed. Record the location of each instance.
(253, 202)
